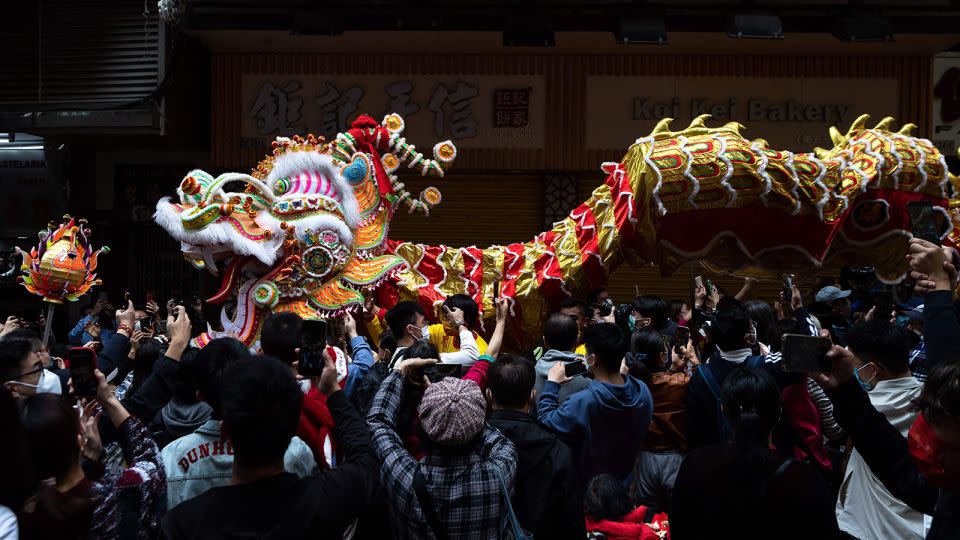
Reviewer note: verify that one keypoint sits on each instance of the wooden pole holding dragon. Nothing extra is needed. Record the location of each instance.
(310, 233)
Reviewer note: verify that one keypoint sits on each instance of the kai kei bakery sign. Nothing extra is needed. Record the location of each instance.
(790, 113)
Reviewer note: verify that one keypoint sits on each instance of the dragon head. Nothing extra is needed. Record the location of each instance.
(306, 231)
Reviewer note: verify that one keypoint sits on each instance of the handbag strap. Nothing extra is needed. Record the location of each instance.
(426, 505)
(518, 531)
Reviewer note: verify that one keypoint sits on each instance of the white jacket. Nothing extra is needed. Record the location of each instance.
(865, 508)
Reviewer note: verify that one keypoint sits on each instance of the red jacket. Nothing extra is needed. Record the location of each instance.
(631, 527)
(316, 428)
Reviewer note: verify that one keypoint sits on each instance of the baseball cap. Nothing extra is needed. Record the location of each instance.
(452, 411)
(830, 294)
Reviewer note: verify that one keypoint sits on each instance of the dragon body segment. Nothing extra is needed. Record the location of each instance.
(309, 234)
(711, 195)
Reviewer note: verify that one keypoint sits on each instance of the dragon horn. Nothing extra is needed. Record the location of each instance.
(734, 126)
(663, 126)
(698, 121)
(858, 124)
(885, 124)
(837, 137)
(907, 129)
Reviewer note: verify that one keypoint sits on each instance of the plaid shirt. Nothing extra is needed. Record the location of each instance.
(918, 361)
(464, 489)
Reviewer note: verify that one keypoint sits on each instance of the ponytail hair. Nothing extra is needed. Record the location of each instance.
(646, 348)
(752, 404)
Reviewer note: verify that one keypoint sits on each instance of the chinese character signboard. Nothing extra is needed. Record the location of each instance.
(946, 103)
(511, 108)
(473, 111)
(790, 113)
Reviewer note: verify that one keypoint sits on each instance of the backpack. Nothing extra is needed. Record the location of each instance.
(752, 362)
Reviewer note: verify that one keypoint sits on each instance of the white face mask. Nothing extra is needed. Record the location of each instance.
(425, 331)
(49, 383)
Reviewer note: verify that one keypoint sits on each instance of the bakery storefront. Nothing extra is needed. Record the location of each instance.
(532, 128)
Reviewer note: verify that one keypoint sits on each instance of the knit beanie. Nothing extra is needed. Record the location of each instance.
(452, 411)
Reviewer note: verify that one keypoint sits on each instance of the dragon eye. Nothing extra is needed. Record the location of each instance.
(281, 186)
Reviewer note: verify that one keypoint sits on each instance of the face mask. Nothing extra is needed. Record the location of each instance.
(927, 451)
(866, 385)
(49, 383)
(425, 332)
(902, 321)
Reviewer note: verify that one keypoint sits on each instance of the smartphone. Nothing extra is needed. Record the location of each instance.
(681, 339)
(149, 297)
(923, 221)
(883, 301)
(437, 372)
(788, 282)
(496, 289)
(312, 343)
(161, 327)
(803, 354)
(577, 367)
(697, 282)
(102, 296)
(709, 288)
(82, 363)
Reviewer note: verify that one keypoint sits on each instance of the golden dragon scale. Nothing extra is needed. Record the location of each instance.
(711, 195)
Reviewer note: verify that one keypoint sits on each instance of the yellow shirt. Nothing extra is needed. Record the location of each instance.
(375, 327)
(446, 344)
(438, 337)
(581, 350)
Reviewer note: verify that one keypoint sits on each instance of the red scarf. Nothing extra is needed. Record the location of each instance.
(316, 427)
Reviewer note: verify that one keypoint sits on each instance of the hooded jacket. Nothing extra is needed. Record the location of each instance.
(182, 419)
(887, 454)
(865, 508)
(630, 527)
(543, 369)
(604, 425)
(545, 497)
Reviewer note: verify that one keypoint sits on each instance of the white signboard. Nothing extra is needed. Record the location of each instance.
(946, 103)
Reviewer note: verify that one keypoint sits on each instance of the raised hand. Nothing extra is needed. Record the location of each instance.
(127, 317)
(349, 325)
(178, 326)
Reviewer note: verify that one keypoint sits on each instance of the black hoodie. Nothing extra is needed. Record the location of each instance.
(547, 499)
